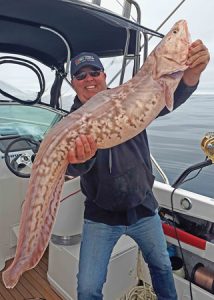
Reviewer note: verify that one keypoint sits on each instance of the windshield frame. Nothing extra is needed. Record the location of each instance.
(36, 127)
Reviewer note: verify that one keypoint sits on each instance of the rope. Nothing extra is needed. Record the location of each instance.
(142, 292)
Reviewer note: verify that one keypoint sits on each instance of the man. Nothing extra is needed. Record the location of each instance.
(111, 176)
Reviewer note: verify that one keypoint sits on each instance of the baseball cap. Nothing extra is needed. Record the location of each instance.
(85, 59)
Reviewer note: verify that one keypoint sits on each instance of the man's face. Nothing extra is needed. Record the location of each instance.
(90, 85)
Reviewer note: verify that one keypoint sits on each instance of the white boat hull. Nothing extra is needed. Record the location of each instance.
(69, 223)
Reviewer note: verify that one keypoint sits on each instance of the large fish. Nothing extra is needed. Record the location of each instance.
(112, 117)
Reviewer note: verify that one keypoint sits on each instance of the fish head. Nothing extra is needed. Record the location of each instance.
(171, 53)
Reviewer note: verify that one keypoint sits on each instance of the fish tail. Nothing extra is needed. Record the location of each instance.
(25, 260)
(11, 277)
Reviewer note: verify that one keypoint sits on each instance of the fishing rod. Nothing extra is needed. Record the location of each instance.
(207, 145)
(167, 18)
(142, 46)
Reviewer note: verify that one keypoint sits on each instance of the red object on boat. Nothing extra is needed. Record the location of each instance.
(184, 236)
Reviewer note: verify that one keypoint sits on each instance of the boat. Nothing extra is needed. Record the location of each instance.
(50, 33)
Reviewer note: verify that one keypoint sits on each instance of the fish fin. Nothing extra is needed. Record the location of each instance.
(169, 92)
(169, 97)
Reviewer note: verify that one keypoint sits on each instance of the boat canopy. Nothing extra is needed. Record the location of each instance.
(54, 31)
(47, 30)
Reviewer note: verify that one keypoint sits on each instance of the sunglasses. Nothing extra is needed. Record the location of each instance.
(82, 75)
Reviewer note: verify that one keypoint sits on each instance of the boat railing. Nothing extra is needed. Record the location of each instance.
(159, 169)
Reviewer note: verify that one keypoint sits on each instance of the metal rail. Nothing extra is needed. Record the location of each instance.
(174, 10)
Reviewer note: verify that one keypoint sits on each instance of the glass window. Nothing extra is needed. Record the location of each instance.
(21, 120)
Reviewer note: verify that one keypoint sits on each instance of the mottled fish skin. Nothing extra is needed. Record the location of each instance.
(112, 117)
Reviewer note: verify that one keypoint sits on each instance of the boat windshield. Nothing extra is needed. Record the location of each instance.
(21, 120)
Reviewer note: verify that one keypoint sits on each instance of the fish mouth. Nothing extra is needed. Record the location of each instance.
(187, 34)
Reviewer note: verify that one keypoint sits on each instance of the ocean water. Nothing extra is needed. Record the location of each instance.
(175, 142)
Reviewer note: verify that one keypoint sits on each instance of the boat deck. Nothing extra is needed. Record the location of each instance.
(33, 284)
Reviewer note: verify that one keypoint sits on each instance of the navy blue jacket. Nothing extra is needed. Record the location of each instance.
(118, 182)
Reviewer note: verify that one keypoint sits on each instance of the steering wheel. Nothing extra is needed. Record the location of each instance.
(20, 154)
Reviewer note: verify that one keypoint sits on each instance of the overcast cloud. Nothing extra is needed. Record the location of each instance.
(198, 13)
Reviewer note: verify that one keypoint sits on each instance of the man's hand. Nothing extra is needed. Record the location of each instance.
(85, 148)
(197, 61)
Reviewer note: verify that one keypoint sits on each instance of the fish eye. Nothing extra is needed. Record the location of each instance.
(175, 30)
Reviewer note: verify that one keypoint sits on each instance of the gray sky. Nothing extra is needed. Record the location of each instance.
(198, 13)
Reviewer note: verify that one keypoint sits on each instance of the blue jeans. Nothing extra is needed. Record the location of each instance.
(98, 240)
